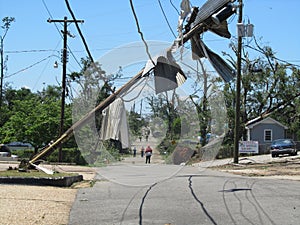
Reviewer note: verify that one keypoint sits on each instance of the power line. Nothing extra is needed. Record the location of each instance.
(165, 16)
(51, 17)
(86, 46)
(280, 60)
(175, 7)
(30, 51)
(22, 70)
(140, 32)
(98, 49)
(48, 11)
(79, 31)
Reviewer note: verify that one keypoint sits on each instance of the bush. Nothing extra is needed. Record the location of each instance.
(166, 146)
(226, 151)
(23, 154)
(69, 155)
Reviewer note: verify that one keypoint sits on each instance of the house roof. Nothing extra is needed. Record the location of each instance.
(252, 123)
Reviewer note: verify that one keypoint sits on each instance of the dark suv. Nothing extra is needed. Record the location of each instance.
(4, 151)
(283, 146)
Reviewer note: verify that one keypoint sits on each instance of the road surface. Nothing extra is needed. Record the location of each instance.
(136, 193)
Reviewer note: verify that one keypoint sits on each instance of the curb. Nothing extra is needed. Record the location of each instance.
(42, 181)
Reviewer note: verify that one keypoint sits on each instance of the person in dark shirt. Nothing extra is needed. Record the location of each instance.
(142, 152)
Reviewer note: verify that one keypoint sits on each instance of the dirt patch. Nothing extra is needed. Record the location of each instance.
(35, 204)
(26, 204)
(284, 169)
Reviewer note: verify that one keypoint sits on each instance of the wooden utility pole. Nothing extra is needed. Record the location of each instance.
(64, 74)
(238, 90)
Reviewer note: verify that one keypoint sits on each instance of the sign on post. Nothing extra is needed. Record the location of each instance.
(248, 147)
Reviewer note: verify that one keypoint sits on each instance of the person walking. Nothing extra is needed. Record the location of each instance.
(134, 151)
(148, 153)
(142, 151)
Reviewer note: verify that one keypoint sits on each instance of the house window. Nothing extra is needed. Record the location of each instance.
(268, 135)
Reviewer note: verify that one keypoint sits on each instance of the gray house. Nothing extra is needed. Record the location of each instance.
(265, 130)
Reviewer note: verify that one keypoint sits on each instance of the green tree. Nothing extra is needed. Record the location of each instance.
(136, 123)
(270, 87)
(202, 99)
(164, 106)
(93, 87)
(33, 118)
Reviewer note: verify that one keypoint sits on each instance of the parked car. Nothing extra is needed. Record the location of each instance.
(283, 146)
(4, 151)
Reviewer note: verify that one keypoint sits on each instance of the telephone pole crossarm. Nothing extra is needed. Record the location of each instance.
(65, 20)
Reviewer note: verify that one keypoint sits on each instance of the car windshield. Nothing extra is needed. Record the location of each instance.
(280, 142)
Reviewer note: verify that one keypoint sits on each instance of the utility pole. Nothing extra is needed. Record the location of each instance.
(64, 74)
(238, 89)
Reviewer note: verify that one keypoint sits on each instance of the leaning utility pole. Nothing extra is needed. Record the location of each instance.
(64, 74)
(238, 89)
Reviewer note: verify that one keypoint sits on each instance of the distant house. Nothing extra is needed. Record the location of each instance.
(265, 130)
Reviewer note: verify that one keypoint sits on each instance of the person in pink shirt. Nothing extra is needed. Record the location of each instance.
(148, 154)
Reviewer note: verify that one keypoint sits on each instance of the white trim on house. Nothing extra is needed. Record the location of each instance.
(267, 120)
(248, 134)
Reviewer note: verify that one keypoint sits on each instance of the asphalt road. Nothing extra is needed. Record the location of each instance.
(135, 193)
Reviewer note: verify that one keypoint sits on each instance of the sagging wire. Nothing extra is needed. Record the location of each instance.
(280, 60)
(79, 31)
(105, 80)
(174, 7)
(140, 32)
(166, 19)
(128, 92)
(28, 67)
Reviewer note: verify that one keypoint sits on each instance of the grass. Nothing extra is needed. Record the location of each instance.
(33, 173)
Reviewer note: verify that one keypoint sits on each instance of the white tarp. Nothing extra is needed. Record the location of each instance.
(114, 123)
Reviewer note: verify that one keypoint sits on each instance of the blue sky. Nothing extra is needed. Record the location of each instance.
(109, 24)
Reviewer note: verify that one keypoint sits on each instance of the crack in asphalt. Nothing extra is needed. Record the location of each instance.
(142, 204)
(201, 203)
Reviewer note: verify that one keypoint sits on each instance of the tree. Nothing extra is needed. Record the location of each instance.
(7, 21)
(34, 118)
(164, 106)
(136, 123)
(93, 86)
(202, 105)
(269, 87)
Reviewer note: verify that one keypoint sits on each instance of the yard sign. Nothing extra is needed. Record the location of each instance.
(248, 146)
